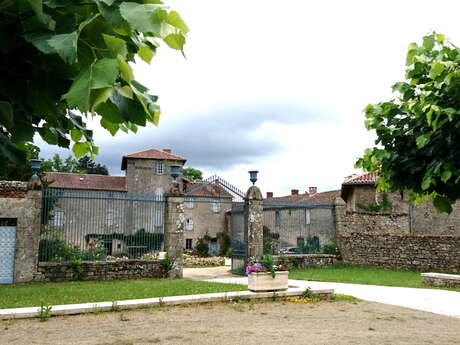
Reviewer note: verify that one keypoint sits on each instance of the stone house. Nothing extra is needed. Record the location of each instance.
(115, 204)
(298, 218)
(404, 217)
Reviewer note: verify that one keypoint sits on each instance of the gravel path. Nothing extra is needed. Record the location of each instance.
(267, 323)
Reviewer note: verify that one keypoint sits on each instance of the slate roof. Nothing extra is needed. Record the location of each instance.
(151, 154)
(86, 181)
(368, 178)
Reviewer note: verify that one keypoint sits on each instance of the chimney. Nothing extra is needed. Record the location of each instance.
(167, 150)
(312, 190)
(269, 195)
(294, 192)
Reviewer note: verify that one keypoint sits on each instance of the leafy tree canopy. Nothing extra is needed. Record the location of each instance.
(192, 174)
(58, 56)
(23, 172)
(418, 130)
(89, 166)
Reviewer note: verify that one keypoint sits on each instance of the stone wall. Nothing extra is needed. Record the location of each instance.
(101, 270)
(308, 260)
(22, 204)
(356, 221)
(401, 251)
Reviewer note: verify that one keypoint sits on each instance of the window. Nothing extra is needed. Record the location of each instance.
(58, 217)
(277, 218)
(158, 218)
(216, 206)
(109, 217)
(189, 244)
(307, 217)
(189, 202)
(189, 224)
(159, 194)
(160, 168)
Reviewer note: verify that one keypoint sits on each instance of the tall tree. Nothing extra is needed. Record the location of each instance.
(418, 131)
(192, 174)
(89, 166)
(61, 60)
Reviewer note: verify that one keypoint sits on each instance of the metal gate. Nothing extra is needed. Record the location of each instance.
(297, 227)
(208, 205)
(7, 250)
(290, 227)
(90, 225)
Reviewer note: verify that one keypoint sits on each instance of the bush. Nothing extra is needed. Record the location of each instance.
(202, 248)
(329, 249)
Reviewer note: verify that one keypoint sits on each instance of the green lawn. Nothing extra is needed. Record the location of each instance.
(362, 275)
(28, 295)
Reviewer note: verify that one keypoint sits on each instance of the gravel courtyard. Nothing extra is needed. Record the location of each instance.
(241, 323)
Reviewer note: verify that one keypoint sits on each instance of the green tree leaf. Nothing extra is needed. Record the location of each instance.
(175, 20)
(142, 17)
(442, 204)
(175, 41)
(145, 53)
(66, 46)
(116, 45)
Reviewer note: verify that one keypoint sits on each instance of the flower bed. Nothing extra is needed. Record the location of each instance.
(190, 260)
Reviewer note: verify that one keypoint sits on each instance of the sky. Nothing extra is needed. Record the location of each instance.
(276, 86)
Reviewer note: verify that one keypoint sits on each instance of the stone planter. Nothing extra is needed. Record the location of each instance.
(263, 281)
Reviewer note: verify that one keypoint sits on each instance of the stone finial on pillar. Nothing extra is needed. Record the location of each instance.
(253, 220)
(174, 231)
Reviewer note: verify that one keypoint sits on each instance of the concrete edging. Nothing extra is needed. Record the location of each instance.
(84, 308)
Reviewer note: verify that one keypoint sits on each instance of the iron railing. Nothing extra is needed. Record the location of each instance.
(91, 225)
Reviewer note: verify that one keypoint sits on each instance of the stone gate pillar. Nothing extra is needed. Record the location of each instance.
(174, 230)
(253, 221)
(340, 209)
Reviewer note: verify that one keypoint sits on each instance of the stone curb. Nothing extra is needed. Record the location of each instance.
(84, 308)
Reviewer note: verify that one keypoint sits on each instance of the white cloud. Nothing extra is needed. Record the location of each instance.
(331, 56)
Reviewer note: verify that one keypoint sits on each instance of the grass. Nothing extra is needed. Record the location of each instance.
(343, 273)
(35, 294)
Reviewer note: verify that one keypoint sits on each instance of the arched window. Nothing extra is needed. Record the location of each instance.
(189, 224)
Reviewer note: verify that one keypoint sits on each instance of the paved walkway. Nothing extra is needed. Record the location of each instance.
(441, 302)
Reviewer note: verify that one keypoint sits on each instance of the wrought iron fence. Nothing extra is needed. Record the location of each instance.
(293, 227)
(91, 225)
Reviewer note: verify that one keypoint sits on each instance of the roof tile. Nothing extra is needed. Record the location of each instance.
(86, 181)
(368, 178)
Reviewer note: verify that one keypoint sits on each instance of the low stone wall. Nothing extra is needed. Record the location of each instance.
(439, 279)
(101, 270)
(205, 262)
(307, 260)
(375, 221)
(401, 251)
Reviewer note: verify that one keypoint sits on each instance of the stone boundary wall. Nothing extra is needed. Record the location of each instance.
(439, 279)
(307, 260)
(13, 189)
(100, 270)
(401, 251)
(354, 221)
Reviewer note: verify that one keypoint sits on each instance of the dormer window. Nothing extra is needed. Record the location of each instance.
(160, 168)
